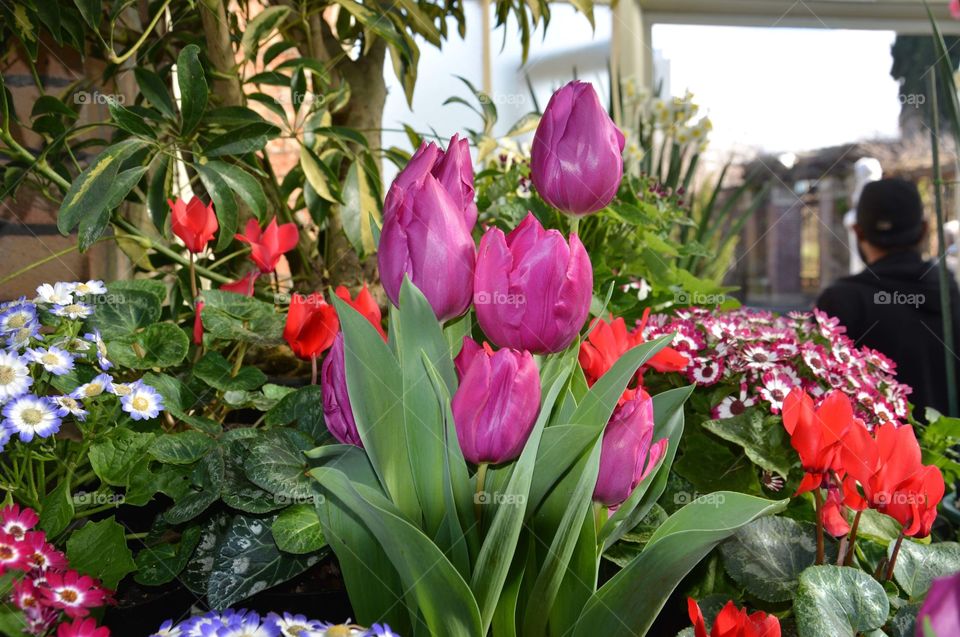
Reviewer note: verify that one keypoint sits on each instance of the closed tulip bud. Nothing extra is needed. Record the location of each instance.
(532, 289)
(425, 238)
(453, 169)
(576, 161)
(628, 453)
(495, 407)
(194, 222)
(941, 607)
(311, 325)
(337, 412)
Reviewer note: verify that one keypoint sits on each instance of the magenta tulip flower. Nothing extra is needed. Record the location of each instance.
(532, 289)
(425, 237)
(576, 160)
(337, 412)
(942, 606)
(496, 405)
(453, 169)
(628, 452)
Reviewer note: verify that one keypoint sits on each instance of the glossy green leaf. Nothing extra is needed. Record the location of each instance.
(243, 184)
(762, 437)
(158, 345)
(229, 316)
(297, 530)
(360, 209)
(248, 561)
(181, 448)
(157, 93)
(217, 371)
(260, 28)
(160, 564)
(919, 564)
(839, 601)
(193, 88)
(675, 548)
(99, 549)
(224, 204)
(92, 190)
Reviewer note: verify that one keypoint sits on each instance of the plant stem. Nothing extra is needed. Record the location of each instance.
(193, 281)
(574, 225)
(818, 497)
(944, 274)
(120, 59)
(480, 497)
(147, 242)
(313, 369)
(853, 538)
(893, 558)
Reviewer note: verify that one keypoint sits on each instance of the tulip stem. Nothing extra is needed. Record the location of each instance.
(818, 498)
(575, 225)
(313, 369)
(893, 558)
(480, 498)
(851, 548)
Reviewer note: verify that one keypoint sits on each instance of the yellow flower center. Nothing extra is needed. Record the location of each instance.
(140, 403)
(68, 596)
(17, 321)
(93, 389)
(32, 416)
(50, 359)
(6, 553)
(7, 375)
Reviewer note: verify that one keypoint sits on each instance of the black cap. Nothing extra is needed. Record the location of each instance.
(890, 213)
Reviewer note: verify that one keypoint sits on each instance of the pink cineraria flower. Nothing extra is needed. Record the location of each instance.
(828, 326)
(17, 522)
(41, 555)
(760, 357)
(776, 386)
(12, 554)
(73, 593)
(734, 405)
(705, 370)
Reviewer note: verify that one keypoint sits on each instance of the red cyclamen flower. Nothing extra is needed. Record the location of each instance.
(311, 326)
(268, 245)
(733, 622)
(194, 222)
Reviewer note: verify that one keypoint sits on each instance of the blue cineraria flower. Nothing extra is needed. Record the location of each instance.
(31, 416)
(67, 405)
(15, 376)
(95, 338)
(380, 630)
(17, 316)
(73, 310)
(53, 359)
(4, 437)
(290, 625)
(21, 337)
(143, 402)
(167, 629)
(99, 384)
(57, 294)
(247, 625)
(90, 287)
(201, 625)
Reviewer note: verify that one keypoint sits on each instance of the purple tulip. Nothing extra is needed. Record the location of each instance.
(337, 412)
(426, 238)
(942, 606)
(495, 407)
(532, 289)
(453, 169)
(627, 455)
(576, 161)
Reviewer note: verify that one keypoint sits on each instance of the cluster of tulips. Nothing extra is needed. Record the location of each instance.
(859, 468)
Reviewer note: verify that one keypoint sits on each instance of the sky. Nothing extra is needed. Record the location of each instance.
(785, 89)
(768, 89)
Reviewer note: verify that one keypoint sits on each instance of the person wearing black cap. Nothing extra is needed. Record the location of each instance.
(894, 305)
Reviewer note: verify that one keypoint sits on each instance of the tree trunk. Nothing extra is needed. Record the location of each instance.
(216, 28)
(368, 94)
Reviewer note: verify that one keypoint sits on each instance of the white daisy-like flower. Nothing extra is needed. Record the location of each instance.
(15, 376)
(20, 338)
(90, 287)
(95, 338)
(100, 383)
(122, 389)
(31, 416)
(60, 293)
(290, 625)
(73, 310)
(68, 405)
(142, 403)
(53, 359)
(776, 386)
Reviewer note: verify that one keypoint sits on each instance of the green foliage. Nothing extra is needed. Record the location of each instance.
(840, 601)
(99, 549)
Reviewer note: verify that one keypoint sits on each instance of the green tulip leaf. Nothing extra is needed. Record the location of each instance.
(679, 544)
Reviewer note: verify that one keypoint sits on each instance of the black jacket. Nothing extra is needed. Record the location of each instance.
(894, 306)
